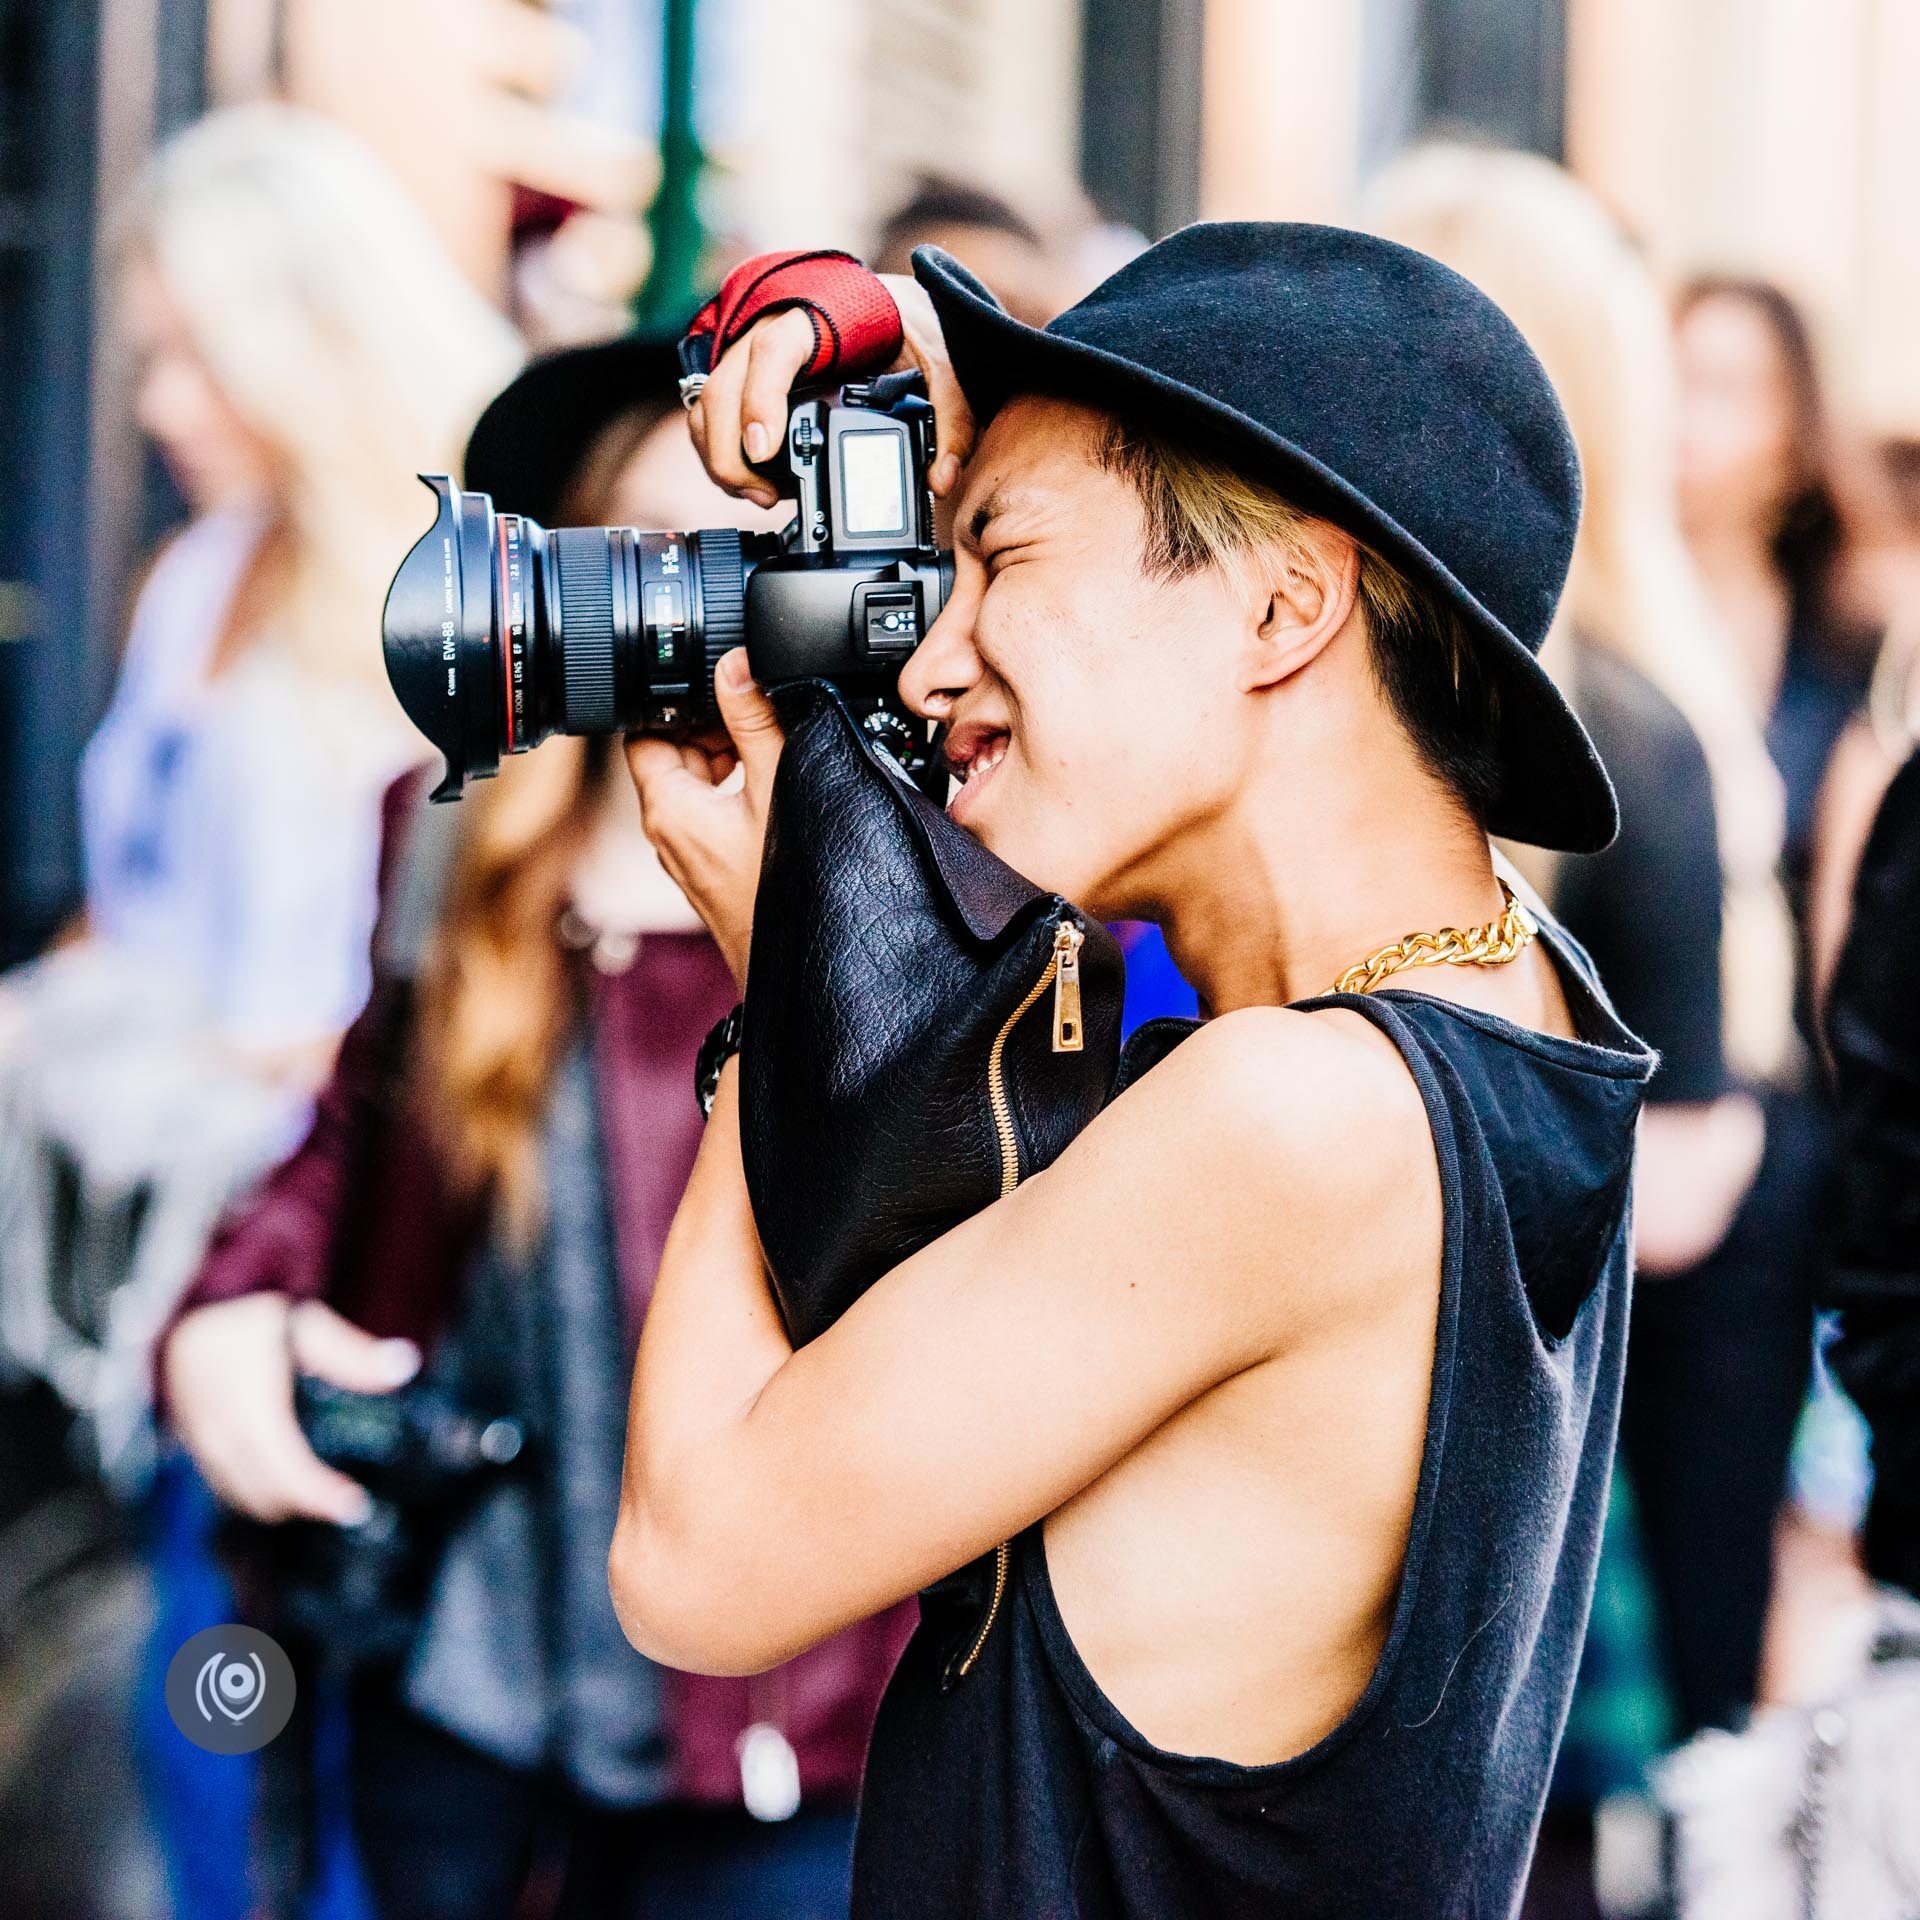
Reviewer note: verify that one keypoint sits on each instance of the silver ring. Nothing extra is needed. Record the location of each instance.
(690, 385)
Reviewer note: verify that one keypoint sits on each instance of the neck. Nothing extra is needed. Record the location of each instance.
(1271, 903)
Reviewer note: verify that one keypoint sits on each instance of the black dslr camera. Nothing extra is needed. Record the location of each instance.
(359, 1591)
(499, 632)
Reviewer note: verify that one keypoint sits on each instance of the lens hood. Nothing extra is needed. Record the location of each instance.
(437, 631)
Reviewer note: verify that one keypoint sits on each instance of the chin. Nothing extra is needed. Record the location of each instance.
(1051, 868)
(1002, 822)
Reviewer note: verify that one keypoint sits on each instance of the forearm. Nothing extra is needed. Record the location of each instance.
(1695, 1165)
(713, 1339)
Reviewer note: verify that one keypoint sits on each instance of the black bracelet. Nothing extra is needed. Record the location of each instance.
(720, 1045)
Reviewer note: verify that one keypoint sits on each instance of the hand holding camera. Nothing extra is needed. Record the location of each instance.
(707, 826)
(230, 1385)
(740, 417)
(499, 632)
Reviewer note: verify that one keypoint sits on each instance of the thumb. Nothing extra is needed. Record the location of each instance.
(750, 717)
(348, 1356)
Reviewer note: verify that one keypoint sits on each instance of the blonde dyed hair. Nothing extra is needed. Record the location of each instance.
(337, 326)
(1540, 246)
(1197, 511)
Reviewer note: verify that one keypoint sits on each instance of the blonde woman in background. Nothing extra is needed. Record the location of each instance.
(1685, 913)
(302, 346)
(305, 347)
(1880, 740)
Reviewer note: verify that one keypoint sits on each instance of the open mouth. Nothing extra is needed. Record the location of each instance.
(974, 754)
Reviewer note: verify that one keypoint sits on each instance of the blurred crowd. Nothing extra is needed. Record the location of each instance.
(325, 1091)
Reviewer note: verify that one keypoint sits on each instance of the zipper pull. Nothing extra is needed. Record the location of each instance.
(1066, 988)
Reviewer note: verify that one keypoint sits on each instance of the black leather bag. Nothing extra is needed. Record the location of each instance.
(924, 1029)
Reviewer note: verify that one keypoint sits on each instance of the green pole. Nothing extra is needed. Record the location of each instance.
(672, 288)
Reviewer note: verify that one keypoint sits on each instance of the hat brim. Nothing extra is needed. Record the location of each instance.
(1554, 791)
(527, 445)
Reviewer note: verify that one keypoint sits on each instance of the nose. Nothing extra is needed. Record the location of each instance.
(946, 663)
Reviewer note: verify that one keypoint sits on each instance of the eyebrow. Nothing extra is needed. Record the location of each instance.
(996, 503)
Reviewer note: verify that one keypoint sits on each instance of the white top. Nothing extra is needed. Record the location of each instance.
(231, 828)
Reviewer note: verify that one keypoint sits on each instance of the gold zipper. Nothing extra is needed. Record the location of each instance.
(1002, 1561)
(1066, 989)
(1063, 965)
(1063, 976)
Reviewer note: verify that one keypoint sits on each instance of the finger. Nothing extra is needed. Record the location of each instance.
(662, 776)
(953, 427)
(309, 1489)
(336, 1350)
(720, 419)
(953, 422)
(924, 344)
(723, 762)
(777, 349)
(752, 723)
(294, 1483)
(261, 1464)
(676, 801)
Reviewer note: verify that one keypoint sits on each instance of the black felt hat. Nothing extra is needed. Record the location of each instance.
(526, 447)
(1368, 384)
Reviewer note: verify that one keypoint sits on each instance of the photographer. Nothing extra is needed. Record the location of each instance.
(488, 1183)
(1291, 1384)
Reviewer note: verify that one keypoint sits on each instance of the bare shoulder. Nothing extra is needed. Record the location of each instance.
(1319, 1086)
(1303, 1141)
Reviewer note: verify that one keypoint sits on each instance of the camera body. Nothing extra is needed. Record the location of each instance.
(358, 1592)
(499, 632)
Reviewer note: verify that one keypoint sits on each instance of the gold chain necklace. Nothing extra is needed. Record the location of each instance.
(1493, 945)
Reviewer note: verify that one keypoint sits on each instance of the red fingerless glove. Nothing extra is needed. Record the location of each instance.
(856, 326)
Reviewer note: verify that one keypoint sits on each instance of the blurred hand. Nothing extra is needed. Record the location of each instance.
(705, 807)
(741, 415)
(229, 1373)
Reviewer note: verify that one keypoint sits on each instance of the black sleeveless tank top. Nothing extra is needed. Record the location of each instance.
(1022, 1793)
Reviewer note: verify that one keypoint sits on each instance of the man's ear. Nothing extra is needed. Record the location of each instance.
(1299, 596)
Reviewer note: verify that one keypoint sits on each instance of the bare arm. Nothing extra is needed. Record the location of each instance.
(1199, 1227)
(1695, 1164)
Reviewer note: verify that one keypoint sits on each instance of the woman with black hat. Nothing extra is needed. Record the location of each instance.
(1291, 1383)
(483, 1199)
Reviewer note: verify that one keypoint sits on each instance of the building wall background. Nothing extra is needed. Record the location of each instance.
(821, 133)
(1776, 136)
(1771, 135)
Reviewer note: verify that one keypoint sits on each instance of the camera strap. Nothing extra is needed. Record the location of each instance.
(423, 873)
(856, 326)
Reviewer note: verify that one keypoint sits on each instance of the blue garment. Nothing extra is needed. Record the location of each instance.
(1156, 989)
(231, 826)
(203, 1803)
(208, 1808)
(1024, 1793)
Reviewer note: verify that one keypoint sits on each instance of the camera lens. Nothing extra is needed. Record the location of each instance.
(593, 572)
(642, 620)
(499, 633)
